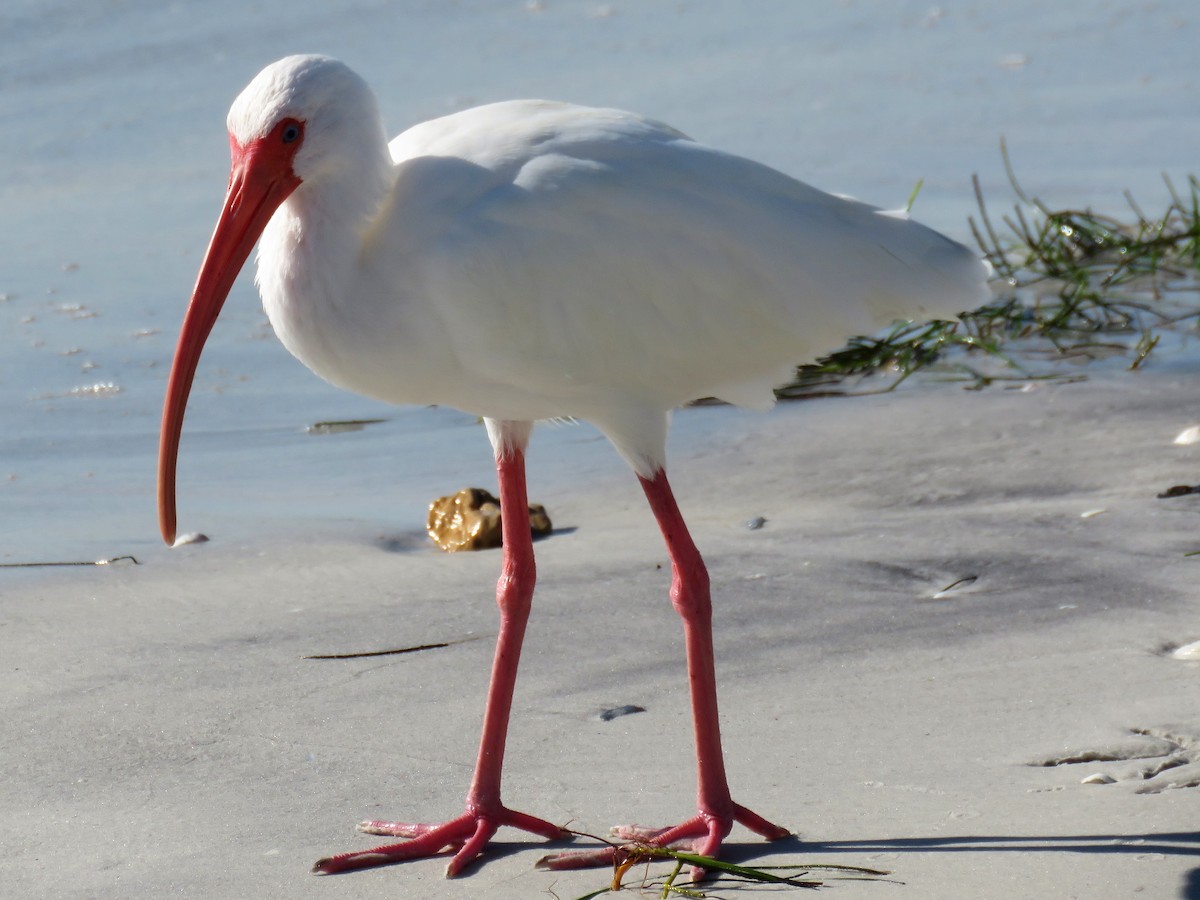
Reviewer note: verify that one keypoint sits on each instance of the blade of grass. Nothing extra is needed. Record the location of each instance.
(1062, 276)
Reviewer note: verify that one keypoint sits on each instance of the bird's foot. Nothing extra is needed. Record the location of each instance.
(702, 835)
(467, 836)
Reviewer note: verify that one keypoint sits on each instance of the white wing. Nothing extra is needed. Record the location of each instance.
(577, 256)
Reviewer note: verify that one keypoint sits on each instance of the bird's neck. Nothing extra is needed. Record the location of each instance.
(310, 259)
(324, 220)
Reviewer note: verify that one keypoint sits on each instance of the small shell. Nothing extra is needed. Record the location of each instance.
(1188, 435)
(1092, 513)
(192, 537)
(1098, 778)
(470, 520)
(1187, 651)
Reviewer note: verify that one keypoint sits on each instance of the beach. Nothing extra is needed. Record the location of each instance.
(956, 648)
(173, 737)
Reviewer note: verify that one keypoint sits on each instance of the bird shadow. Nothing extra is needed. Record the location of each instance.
(1165, 843)
(1173, 843)
(1168, 843)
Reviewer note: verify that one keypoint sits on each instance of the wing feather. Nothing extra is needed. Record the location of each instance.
(557, 230)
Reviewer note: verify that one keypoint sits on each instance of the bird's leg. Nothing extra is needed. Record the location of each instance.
(716, 809)
(484, 814)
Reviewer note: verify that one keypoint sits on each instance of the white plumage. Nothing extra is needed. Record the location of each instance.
(532, 260)
(528, 260)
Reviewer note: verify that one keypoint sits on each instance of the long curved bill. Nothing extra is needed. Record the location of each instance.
(256, 189)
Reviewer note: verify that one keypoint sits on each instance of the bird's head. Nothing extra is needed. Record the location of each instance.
(300, 119)
(306, 115)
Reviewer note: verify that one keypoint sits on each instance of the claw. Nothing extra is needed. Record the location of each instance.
(467, 836)
(578, 859)
(394, 829)
(702, 834)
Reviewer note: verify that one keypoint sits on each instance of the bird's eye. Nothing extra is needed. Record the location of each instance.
(290, 133)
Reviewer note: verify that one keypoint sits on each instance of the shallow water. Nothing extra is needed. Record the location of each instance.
(113, 162)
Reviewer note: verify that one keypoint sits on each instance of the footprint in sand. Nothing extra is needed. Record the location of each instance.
(1155, 759)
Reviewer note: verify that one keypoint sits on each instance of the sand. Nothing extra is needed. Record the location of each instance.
(165, 735)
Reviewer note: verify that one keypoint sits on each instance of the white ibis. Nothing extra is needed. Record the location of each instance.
(531, 260)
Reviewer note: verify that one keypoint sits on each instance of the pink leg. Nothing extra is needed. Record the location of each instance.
(716, 810)
(469, 833)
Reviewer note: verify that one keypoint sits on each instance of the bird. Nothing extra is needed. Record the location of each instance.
(535, 260)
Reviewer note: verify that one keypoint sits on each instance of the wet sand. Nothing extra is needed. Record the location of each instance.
(167, 736)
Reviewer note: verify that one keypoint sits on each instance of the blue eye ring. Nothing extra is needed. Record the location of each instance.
(291, 133)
